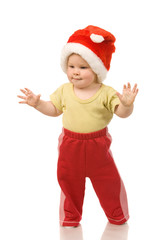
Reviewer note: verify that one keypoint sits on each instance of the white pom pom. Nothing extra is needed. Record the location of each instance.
(96, 38)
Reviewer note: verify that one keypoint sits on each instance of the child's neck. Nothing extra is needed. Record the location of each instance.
(88, 92)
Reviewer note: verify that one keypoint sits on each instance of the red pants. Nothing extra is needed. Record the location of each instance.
(84, 155)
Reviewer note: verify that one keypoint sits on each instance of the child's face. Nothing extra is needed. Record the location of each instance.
(79, 72)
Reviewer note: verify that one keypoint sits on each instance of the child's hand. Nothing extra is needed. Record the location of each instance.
(128, 96)
(30, 98)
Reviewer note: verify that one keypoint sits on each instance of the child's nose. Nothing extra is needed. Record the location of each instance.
(76, 71)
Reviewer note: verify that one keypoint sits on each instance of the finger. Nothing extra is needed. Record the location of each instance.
(129, 85)
(23, 102)
(22, 97)
(124, 87)
(134, 88)
(119, 95)
(23, 91)
(136, 92)
(39, 95)
(28, 90)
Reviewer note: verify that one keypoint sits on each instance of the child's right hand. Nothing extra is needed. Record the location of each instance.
(30, 98)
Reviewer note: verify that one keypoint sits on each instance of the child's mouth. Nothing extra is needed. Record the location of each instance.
(77, 79)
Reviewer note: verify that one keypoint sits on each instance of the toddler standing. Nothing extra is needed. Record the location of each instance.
(87, 106)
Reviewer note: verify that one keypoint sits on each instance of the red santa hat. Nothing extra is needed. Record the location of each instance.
(94, 45)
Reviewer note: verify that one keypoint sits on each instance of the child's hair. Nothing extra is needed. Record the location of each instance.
(94, 45)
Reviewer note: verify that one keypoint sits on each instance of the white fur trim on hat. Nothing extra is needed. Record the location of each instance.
(90, 57)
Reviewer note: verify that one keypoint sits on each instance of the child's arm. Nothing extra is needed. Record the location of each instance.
(125, 108)
(45, 107)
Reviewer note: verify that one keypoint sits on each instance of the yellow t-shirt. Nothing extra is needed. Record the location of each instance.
(84, 116)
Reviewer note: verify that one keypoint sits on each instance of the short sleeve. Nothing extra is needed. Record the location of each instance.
(112, 100)
(56, 98)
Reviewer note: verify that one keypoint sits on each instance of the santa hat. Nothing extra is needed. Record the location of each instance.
(94, 45)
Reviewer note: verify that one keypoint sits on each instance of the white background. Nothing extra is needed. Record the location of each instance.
(32, 34)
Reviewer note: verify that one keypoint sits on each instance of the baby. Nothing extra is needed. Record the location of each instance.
(87, 106)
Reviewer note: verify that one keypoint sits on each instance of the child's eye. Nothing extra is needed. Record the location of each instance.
(83, 67)
(71, 66)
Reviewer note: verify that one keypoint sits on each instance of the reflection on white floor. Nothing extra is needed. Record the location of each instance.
(71, 233)
(114, 232)
(111, 232)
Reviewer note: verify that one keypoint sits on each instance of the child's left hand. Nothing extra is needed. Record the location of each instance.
(128, 96)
